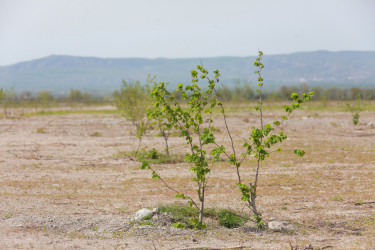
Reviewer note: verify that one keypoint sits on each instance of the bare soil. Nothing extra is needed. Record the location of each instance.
(64, 185)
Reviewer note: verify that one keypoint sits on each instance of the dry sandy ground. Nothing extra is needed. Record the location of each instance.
(66, 188)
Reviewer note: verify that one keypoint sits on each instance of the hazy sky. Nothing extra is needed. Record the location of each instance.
(31, 29)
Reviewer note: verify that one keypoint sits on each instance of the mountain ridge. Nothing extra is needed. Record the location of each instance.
(62, 72)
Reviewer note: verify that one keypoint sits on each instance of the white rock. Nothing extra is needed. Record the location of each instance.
(280, 226)
(156, 210)
(143, 213)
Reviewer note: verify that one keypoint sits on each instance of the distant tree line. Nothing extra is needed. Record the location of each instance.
(9, 98)
(330, 93)
(243, 92)
(238, 92)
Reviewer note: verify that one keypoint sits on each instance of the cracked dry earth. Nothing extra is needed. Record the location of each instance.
(69, 187)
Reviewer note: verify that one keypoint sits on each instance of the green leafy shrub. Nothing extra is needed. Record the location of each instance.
(189, 121)
(160, 119)
(354, 109)
(180, 213)
(187, 217)
(258, 144)
(145, 223)
(155, 157)
(178, 225)
(198, 135)
(230, 219)
(152, 156)
(134, 100)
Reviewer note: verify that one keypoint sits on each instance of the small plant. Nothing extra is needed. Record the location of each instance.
(145, 223)
(96, 134)
(147, 217)
(230, 219)
(134, 101)
(178, 225)
(190, 124)
(337, 198)
(161, 120)
(40, 131)
(199, 135)
(8, 215)
(186, 216)
(258, 144)
(122, 209)
(76, 235)
(6, 98)
(196, 223)
(354, 109)
(360, 202)
(152, 156)
(181, 213)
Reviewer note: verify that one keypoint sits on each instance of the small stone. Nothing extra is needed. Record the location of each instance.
(143, 213)
(280, 226)
(156, 210)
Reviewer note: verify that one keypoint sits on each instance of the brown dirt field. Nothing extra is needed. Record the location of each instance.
(66, 188)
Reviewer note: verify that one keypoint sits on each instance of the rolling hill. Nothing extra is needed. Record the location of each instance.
(61, 73)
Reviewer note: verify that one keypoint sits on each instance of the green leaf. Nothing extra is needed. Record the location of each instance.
(155, 176)
(299, 152)
(145, 165)
(181, 195)
(178, 225)
(294, 96)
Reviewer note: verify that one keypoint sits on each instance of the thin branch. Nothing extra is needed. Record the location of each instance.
(174, 190)
(173, 149)
(224, 151)
(230, 136)
(262, 127)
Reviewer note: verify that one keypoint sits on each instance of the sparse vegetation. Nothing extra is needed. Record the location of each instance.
(354, 109)
(81, 193)
(260, 141)
(185, 216)
(96, 134)
(230, 219)
(190, 122)
(72, 188)
(6, 99)
(8, 215)
(40, 131)
(337, 198)
(134, 100)
(153, 156)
